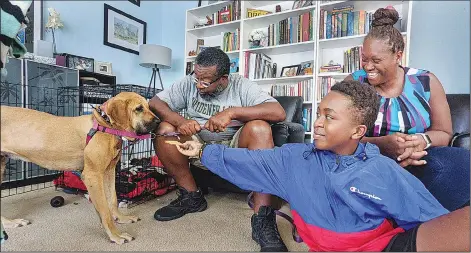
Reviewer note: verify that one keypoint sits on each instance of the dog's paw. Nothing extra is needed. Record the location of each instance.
(15, 223)
(125, 219)
(121, 238)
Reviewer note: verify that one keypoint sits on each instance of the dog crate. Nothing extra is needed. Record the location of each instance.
(55, 90)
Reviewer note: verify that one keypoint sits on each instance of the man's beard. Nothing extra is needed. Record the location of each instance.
(215, 93)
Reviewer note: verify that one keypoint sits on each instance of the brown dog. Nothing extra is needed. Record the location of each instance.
(59, 143)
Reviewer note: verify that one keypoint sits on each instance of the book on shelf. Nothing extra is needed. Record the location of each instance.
(190, 66)
(234, 67)
(352, 59)
(323, 86)
(257, 66)
(307, 119)
(228, 13)
(231, 41)
(301, 88)
(344, 21)
(288, 31)
(251, 13)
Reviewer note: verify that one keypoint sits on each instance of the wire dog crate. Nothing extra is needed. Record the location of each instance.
(139, 174)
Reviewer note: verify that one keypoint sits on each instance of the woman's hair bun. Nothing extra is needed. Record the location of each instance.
(384, 17)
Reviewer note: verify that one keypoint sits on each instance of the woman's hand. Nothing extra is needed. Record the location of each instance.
(412, 156)
(189, 148)
(395, 145)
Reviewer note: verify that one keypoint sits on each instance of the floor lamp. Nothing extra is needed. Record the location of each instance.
(155, 57)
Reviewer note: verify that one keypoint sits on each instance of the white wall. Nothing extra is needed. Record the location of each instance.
(440, 42)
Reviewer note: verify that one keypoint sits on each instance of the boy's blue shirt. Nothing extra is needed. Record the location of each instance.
(342, 194)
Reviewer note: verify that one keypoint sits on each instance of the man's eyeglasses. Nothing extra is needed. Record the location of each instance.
(202, 83)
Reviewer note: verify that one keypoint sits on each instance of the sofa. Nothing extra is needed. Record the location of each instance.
(289, 131)
(459, 108)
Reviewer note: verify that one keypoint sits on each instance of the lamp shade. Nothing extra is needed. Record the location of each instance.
(155, 56)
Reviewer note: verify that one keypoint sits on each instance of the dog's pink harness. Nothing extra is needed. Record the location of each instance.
(96, 127)
(120, 133)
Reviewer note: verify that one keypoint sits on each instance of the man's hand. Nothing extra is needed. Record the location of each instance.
(189, 127)
(219, 122)
(189, 148)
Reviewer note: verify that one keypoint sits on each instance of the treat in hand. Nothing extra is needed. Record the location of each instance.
(176, 143)
(190, 148)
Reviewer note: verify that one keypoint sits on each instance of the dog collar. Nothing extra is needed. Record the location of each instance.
(120, 133)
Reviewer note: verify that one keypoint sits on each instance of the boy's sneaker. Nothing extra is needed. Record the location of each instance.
(265, 231)
(187, 202)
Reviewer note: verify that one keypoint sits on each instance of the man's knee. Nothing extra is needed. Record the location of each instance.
(165, 128)
(258, 129)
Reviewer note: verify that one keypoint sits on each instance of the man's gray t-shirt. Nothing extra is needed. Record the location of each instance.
(240, 92)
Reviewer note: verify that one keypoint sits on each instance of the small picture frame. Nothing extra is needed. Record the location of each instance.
(306, 68)
(292, 70)
(80, 62)
(103, 68)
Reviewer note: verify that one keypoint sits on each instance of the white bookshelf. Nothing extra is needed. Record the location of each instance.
(320, 51)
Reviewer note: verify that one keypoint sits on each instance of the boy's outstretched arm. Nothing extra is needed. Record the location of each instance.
(264, 171)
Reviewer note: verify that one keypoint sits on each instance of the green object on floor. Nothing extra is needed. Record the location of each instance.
(3, 234)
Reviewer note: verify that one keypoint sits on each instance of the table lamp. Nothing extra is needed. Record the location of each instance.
(155, 57)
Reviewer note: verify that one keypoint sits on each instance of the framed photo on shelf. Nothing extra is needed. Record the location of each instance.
(103, 68)
(306, 68)
(123, 31)
(80, 62)
(292, 70)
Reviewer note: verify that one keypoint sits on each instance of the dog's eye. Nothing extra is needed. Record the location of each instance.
(140, 108)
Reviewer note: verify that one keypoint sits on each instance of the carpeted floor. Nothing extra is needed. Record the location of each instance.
(224, 226)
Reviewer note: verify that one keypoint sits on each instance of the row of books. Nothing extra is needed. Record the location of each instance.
(231, 41)
(258, 65)
(352, 61)
(343, 21)
(228, 13)
(302, 88)
(307, 119)
(290, 30)
(323, 86)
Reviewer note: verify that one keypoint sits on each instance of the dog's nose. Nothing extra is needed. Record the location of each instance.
(152, 126)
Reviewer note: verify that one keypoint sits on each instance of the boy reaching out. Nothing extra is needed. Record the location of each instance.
(344, 195)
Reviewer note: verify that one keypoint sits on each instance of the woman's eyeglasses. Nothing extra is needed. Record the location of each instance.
(202, 83)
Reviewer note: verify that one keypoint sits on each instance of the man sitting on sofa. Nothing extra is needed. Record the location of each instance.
(221, 108)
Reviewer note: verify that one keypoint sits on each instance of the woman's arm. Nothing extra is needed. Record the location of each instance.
(440, 131)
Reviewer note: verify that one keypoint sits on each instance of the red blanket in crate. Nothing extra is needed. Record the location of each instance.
(70, 180)
(129, 186)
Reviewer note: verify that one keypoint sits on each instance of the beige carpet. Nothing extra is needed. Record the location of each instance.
(224, 226)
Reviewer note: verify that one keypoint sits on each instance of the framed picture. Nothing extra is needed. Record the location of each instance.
(103, 67)
(292, 70)
(136, 2)
(80, 63)
(123, 31)
(306, 68)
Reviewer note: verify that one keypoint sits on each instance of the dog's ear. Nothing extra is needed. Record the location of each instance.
(117, 111)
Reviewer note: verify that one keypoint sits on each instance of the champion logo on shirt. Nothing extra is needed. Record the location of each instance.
(370, 196)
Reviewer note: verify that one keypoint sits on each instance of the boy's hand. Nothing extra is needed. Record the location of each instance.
(189, 148)
(219, 122)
